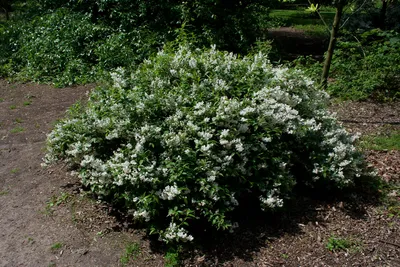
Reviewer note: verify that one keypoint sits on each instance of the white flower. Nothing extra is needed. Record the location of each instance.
(178, 234)
(142, 214)
(223, 142)
(272, 202)
(206, 148)
(211, 178)
(170, 192)
(205, 135)
(193, 63)
(117, 78)
(266, 139)
(247, 110)
(224, 133)
(239, 147)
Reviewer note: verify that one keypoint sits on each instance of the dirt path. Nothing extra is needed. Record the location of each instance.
(46, 219)
(30, 233)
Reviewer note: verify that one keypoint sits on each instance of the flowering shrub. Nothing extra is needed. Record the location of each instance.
(189, 135)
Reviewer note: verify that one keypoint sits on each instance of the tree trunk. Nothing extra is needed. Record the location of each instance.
(6, 6)
(332, 42)
(382, 16)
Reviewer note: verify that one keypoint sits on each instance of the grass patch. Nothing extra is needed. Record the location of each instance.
(394, 210)
(132, 251)
(313, 30)
(3, 193)
(17, 130)
(56, 246)
(389, 141)
(335, 244)
(13, 106)
(285, 256)
(14, 170)
(171, 258)
(392, 203)
(56, 201)
(301, 17)
(18, 120)
(27, 103)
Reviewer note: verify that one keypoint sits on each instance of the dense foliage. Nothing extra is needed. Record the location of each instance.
(57, 47)
(68, 42)
(65, 47)
(232, 25)
(369, 68)
(191, 135)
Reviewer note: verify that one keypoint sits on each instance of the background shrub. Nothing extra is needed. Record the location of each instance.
(69, 42)
(370, 68)
(191, 135)
(366, 65)
(57, 47)
(126, 49)
(230, 24)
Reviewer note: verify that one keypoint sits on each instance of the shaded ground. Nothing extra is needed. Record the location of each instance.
(47, 219)
(292, 43)
(369, 117)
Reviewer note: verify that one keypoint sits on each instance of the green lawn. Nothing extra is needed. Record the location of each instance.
(301, 17)
(390, 141)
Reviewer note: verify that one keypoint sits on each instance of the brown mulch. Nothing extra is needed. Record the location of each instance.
(94, 234)
(368, 117)
(386, 163)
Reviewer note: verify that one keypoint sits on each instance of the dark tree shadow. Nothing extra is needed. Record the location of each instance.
(257, 227)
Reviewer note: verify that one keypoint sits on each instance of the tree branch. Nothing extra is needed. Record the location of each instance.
(358, 9)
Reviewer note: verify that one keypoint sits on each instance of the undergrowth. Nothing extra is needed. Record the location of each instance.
(364, 66)
(75, 42)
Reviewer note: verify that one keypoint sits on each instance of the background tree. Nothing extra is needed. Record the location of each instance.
(339, 5)
(334, 32)
(5, 5)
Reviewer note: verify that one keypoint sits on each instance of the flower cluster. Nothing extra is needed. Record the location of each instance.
(173, 232)
(191, 133)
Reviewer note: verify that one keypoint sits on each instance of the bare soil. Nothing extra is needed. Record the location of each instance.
(48, 219)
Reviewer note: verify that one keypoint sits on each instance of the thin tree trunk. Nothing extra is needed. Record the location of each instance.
(332, 42)
(5, 6)
(383, 14)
